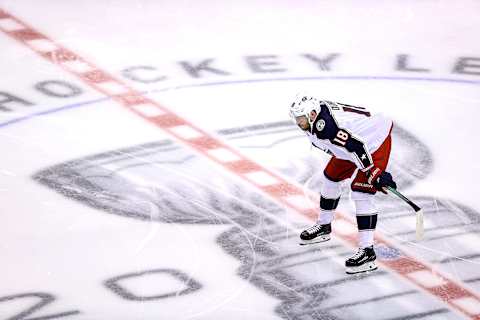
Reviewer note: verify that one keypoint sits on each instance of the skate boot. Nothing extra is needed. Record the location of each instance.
(362, 261)
(316, 234)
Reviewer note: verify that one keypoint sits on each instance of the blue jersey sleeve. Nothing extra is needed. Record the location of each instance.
(326, 127)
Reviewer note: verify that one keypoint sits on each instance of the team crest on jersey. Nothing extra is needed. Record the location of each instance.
(320, 124)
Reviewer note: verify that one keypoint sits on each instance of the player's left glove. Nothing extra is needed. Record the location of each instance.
(380, 179)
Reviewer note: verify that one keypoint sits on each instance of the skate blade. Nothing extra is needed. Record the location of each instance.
(367, 267)
(313, 241)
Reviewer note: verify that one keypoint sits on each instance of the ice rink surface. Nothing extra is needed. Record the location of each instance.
(150, 170)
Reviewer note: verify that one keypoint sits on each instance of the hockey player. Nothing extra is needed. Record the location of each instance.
(358, 142)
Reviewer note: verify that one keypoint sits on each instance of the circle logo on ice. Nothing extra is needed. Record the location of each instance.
(387, 253)
(320, 124)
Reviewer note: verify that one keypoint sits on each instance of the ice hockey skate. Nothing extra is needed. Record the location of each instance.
(362, 261)
(316, 234)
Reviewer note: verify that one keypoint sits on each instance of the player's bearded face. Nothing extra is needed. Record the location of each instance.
(303, 123)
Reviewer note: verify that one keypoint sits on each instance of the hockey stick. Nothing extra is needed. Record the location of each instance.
(418, 211)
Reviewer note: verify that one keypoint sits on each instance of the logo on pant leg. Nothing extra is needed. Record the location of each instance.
(363, 185)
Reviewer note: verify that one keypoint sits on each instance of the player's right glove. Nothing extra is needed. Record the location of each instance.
(380, 179)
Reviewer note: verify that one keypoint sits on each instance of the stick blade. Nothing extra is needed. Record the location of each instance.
(420, 228)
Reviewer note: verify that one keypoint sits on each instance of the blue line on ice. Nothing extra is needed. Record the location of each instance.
(219, 83)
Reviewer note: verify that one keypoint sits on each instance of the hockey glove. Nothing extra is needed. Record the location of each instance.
(380, 179)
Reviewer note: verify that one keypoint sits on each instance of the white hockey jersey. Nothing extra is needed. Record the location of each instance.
(349, 132)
